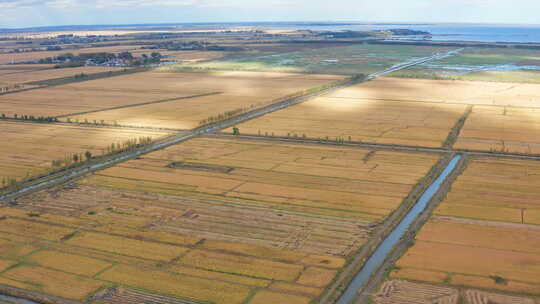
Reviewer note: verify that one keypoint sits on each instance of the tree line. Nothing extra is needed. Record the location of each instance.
(74, 160)
(43, 119)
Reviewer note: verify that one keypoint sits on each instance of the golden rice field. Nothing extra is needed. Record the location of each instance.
(485, 234)
(374, 121)
(501, 129)
(326, 180)
(7, 58)
(32, 146)
(237, 89)
(10, 77)
(496, 190)
(406, 292)
(445, 91)
(210, 220)
(415, 112)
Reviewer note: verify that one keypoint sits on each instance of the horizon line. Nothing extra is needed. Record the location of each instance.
(312, 22)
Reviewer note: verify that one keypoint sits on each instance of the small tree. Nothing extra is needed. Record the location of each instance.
(75, 158)
(88, 155)
(236, 131)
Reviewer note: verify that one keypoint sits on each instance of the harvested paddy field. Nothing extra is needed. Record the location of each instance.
(32, 146)
(7, 58)
(501, 129)
(210, 220)
(484, 192)
(503, 116)
(234, 90)
(484, 235)
(445, 91)
(10, 77)
(406, 292)
(364, 113)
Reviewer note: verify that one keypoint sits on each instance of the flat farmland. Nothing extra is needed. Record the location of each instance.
(10, 77)
(445, 91)
(210, 220)
(358, 114)
(481, 64)
(399, 111)
(485, 235)
(483, 192)
(341, 60)
(236, 90)
(187, 56)
(501, 129)
(33, 146)
(7, 58)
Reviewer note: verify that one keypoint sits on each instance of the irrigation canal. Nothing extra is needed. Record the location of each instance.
(386, 247)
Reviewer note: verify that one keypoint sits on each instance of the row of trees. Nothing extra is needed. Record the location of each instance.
(337, 139)
(72, 60)
(46, 119)
(11, 88)
(75, 160)
(235, 112)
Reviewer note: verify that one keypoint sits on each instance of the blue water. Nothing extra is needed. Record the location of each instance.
(441, 32)
(381, 253)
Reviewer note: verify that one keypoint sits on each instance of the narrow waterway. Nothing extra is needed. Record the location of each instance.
(385, 248)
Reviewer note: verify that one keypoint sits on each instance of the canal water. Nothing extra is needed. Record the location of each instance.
(385, 248)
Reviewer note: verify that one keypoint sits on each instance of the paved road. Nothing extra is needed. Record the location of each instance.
(414, 62)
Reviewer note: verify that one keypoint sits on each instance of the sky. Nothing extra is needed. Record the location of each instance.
(30, 13)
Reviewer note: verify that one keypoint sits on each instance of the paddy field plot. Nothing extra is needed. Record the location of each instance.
(209, 220)
(363, 113)
(501, 129)
(415, 112)
(11, 77)
(484, 235)
(235, 90)
(30, 147)
(7, 58)
(445, 91)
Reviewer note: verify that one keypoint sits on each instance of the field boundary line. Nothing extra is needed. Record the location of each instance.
(453, 136)
(91, 125)
(370, 145)
(140, 104)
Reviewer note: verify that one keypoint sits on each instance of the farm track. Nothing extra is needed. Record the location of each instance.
(383, 146)
(91, 125)
(140, 104)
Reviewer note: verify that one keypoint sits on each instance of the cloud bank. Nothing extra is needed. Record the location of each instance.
(25, 13)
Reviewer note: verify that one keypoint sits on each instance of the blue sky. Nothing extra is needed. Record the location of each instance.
(26, 13)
